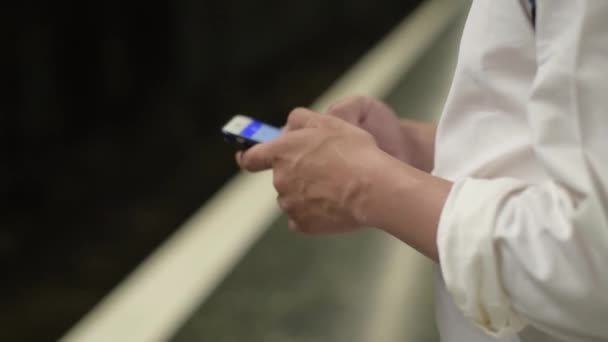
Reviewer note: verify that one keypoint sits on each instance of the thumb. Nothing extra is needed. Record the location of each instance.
(257, 158)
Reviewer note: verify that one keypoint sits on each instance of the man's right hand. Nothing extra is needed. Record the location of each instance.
(410, 141)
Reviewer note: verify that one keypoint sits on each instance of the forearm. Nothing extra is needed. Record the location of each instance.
(422, 137)
(406, 203)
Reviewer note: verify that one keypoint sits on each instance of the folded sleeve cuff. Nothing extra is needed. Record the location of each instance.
(467, 253)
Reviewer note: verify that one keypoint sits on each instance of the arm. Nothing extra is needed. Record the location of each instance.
(407, 203)
(514, 253)
(421, 136)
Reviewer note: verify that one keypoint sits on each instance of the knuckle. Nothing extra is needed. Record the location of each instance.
(302, 117)
(295, 113)
(284, 204)
(279, 182)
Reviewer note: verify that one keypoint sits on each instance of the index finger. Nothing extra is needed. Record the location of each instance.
(300, 118)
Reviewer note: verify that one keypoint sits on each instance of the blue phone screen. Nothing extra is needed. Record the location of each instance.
(260, 132)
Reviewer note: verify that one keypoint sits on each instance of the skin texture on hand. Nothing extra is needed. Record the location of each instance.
(320, 171)
(332, 177)
(409, 141)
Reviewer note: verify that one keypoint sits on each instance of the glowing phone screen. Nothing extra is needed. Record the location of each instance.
(260, 132)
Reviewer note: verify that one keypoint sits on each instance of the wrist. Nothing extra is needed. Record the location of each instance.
(406, 203)
(420, 136)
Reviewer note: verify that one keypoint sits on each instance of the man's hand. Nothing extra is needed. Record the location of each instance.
(332, 177)
(321, 168)
(409, 141)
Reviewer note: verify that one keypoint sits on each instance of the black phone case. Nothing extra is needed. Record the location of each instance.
(240, 142)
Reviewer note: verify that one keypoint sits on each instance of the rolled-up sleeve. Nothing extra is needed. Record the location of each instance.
(514, 253)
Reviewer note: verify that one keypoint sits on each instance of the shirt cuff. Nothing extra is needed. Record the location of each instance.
(470, 268)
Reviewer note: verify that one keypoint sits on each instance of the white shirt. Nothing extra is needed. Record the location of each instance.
(523, 236)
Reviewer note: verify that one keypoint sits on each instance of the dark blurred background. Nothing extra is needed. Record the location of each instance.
(110, 120)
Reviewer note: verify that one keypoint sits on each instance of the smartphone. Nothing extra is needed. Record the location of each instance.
(247, 132)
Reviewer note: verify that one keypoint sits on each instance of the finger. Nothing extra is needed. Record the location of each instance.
(262, 156)
(257, 158)
(350, 109)
(300, 118)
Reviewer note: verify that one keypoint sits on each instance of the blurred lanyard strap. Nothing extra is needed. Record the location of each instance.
(533, 11)
(529, 6)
